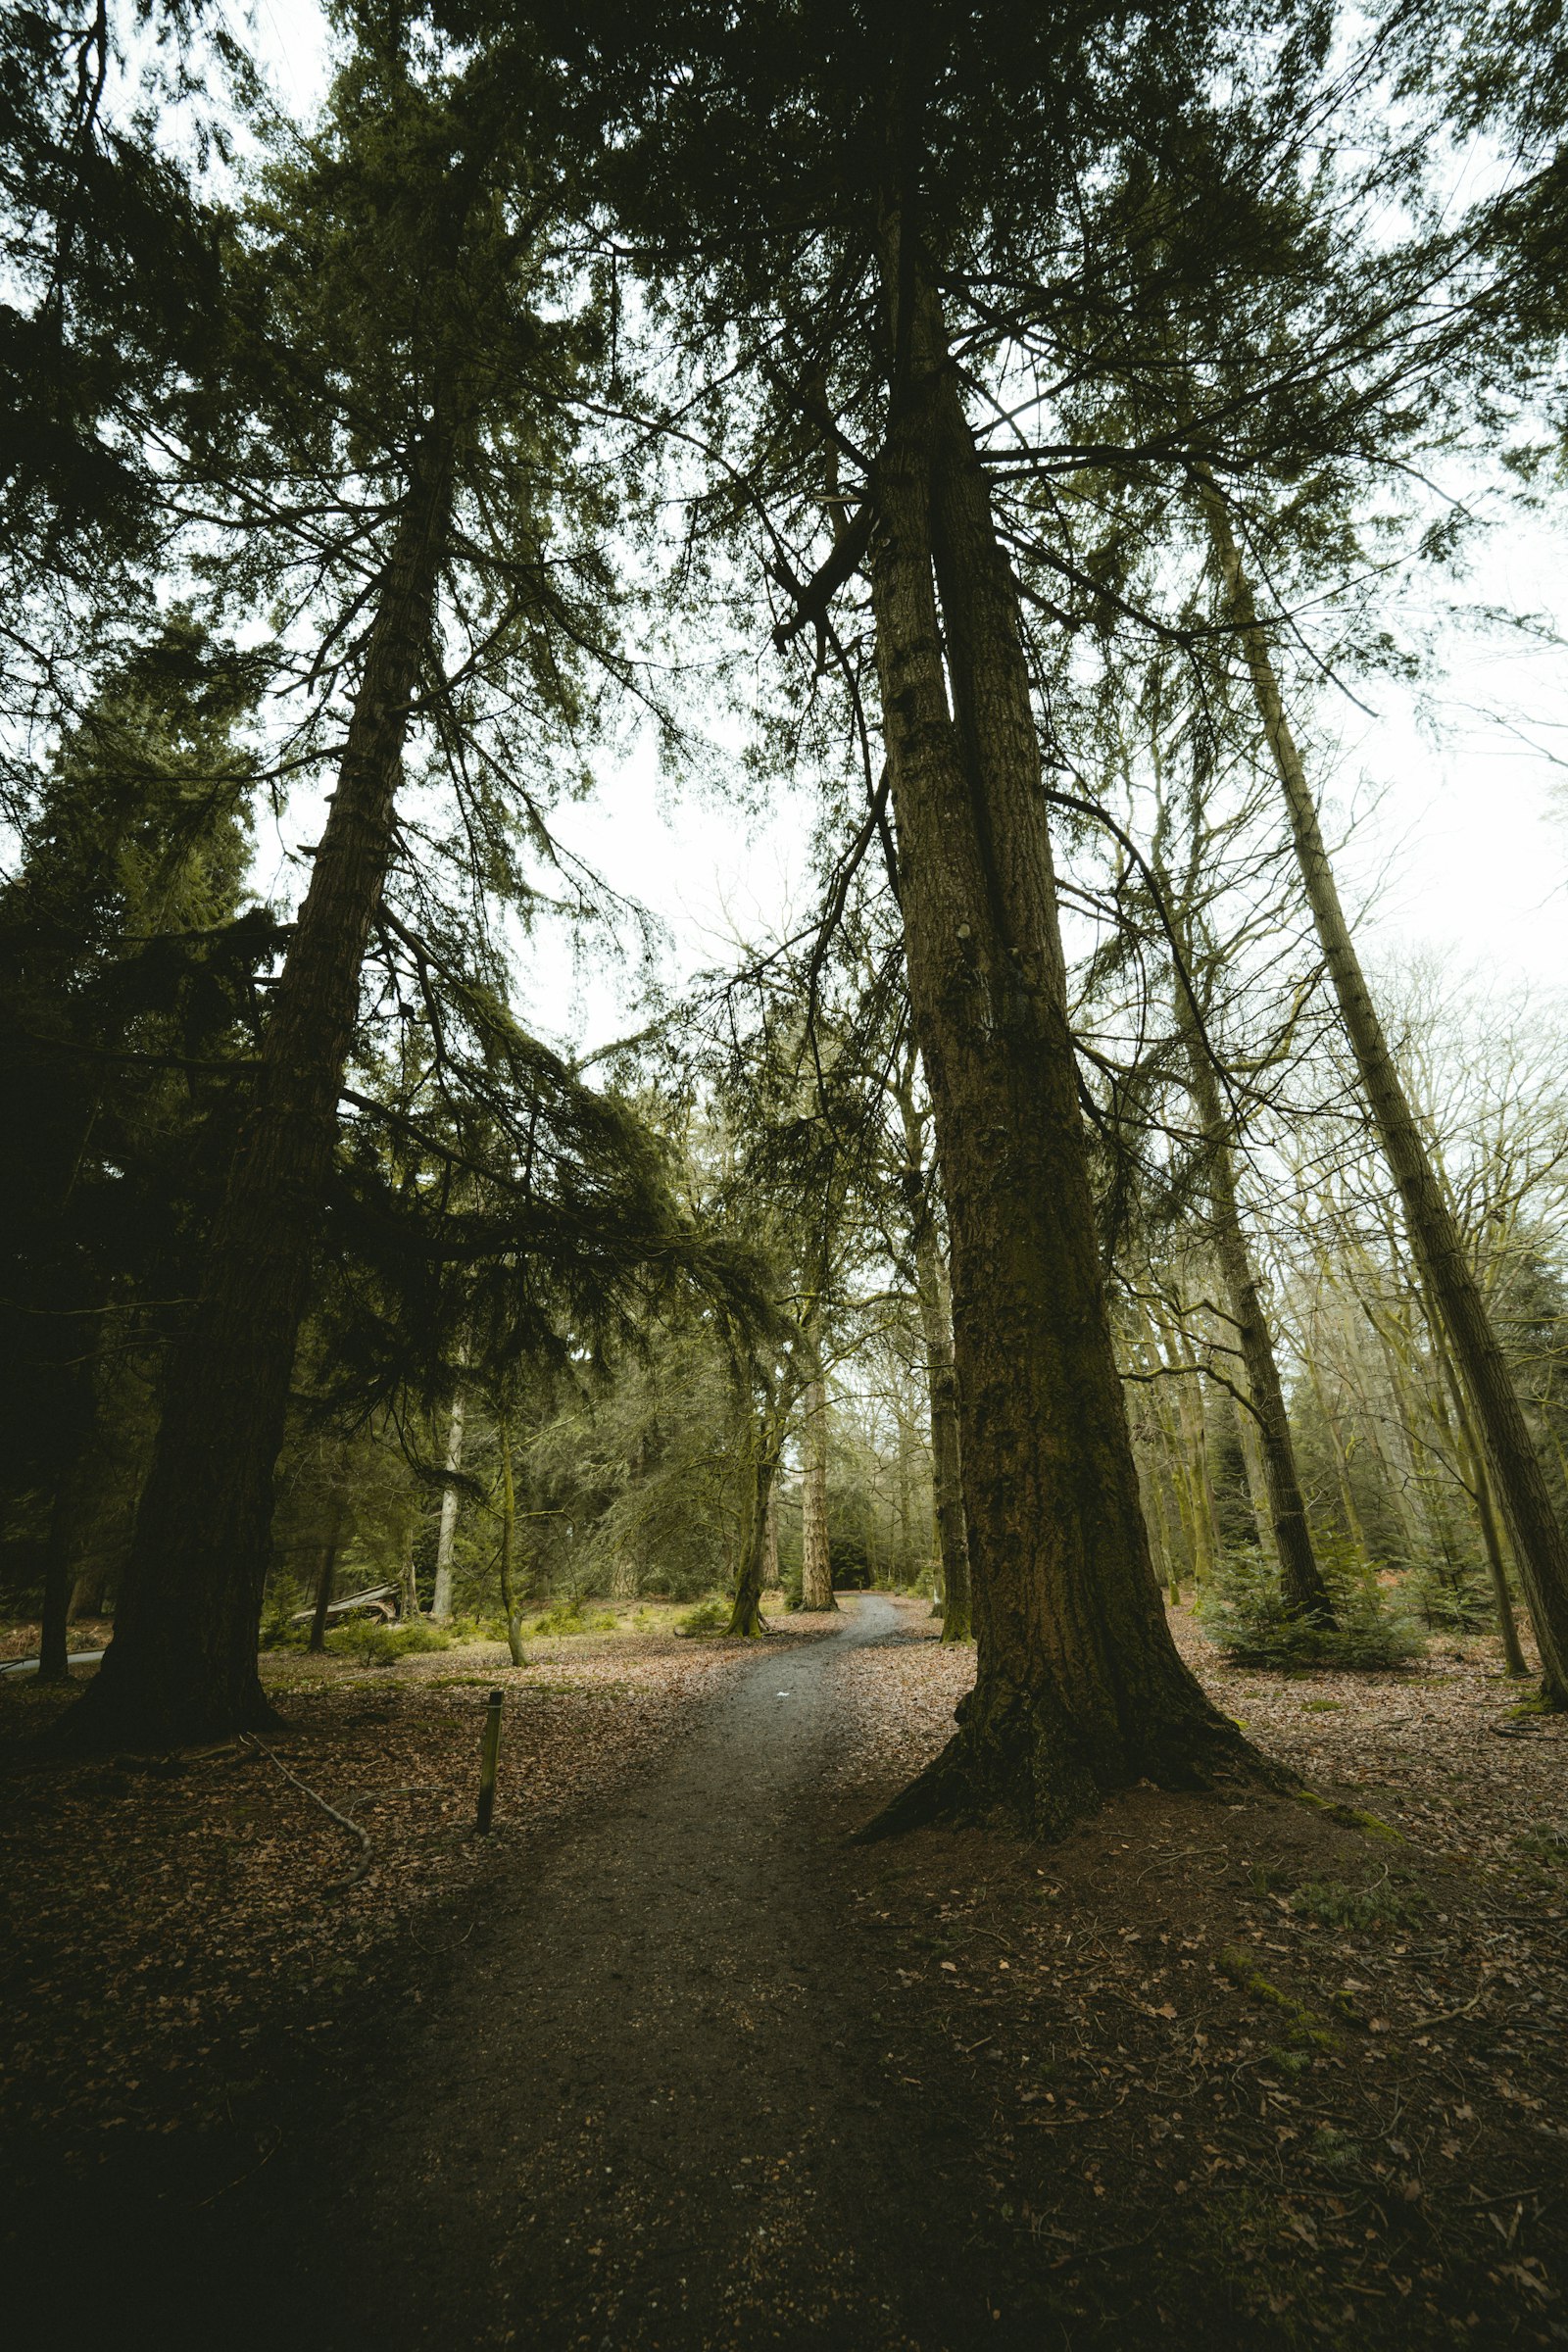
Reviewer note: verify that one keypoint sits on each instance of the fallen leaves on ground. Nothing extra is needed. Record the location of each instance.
(1257, 2070)
(157, 1907)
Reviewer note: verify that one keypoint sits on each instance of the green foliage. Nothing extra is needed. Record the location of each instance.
(1244, 1614)
(711, 1616)
(1334, 1904)
(285, 1598)
(570, 1617)
(384, 1645)
(1451, 1595)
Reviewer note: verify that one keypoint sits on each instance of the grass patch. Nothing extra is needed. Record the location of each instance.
(384, 1645)
(570, 1617)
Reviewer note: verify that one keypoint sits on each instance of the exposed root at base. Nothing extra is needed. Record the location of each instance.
(983, 1783)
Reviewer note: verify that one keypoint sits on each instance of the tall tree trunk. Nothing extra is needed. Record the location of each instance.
(1341, 1460)
(934, 1299)
(770, 1571)
(1539, 1545)
(326, 1576)
(816, 1559)
(1302, 1583)
(182, 1662)
(1079, 1689)
(767, 1436)
(54, 1645)
(447, 1533)
(1497, 1568)
(509, 1539)
(408, 1578)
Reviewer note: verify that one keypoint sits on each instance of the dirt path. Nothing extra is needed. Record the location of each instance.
(643, 2111)
(639, 2117)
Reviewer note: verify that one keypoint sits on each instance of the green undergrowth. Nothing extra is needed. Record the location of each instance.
(1243, 1613)
(383, 1644)
(570, 1617)
(711, 1616)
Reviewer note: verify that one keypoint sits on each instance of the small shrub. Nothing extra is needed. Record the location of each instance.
(383, 1644)
(570, 1617)
(1244, 1615)
(1453, 1600)
(284, 1598)
(711, 1616)
(1335, 1904)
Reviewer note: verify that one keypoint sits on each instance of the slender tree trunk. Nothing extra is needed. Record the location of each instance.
(1539, 1541)
(816, 1559)
(53, 1646)
(1193, 1422)
(934, 1299)
(409, 1581)
(182, 1662)
(1507, 1629)
(447, 1533)
(746, 1617)
(1302, 1583)
(771, 1573)
(1079, 1689)
(509, 1539)
(326, 1577)
(1342, 1463)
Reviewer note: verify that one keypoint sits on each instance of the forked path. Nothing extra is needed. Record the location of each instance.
(647, 2112)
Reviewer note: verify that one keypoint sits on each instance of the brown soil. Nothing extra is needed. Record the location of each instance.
(679, 2067)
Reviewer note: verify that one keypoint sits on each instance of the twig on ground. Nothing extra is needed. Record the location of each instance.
(353, 1828)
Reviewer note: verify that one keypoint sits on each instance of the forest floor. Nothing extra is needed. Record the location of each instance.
(667, 2063)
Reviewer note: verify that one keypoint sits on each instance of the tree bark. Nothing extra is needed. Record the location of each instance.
(445, 1534)
(508, 1538)
(770, 1574)
(816, 1559)
(1079, 1689)
(745, 1618)
(1539, 1541)
(933, 1297)
(1302, 1585)
(1507, 1629)
(326, 1577)
(54, 1645)
(182, 1662)
(408, 1578)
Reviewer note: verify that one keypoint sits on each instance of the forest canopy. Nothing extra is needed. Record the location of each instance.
(1012, 445)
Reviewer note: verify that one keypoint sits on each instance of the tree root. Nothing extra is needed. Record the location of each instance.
(1044, 1785)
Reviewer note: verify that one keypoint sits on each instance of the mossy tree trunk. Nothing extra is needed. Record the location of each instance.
(326, 1576)
(933, 1297)
(1079, 1687)
(1302, 1585)
(766, 1444)
(447, 1532)
(509, 1542)
(1437, 1244)
(816, 1556)
(182, 1664)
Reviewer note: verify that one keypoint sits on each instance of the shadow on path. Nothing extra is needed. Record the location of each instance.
(640, 2116)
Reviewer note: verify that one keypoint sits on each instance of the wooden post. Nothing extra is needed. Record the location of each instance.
(489, 1755)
